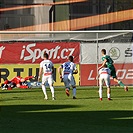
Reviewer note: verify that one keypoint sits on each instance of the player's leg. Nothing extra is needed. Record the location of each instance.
(50, 82)
(107, 82)
(4, 86)
(73, 83)
(44, 79)
(67, 84)
(113, 74)
(100, 87)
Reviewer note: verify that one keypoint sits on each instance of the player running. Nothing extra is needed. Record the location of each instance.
(104, 76)
(17, 82)
(46, 71)
(68, 69)
(109, 62)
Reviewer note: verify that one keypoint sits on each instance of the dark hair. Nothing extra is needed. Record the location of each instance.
(103, 51)
(45, 55)
(71, 58)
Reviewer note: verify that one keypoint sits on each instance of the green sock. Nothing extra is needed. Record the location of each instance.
(121, 84)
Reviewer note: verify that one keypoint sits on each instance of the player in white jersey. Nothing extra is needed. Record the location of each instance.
(104, 76)
(68, 69)
(46, 71)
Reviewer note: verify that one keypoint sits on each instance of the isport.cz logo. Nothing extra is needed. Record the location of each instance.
(31, 52)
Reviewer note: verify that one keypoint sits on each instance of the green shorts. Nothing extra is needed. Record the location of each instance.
(113, 72)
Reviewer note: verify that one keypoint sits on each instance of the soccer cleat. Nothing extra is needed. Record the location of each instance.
(125, 88)
(46, 98)
(53, 98)
(4, 88)
(67, 92)
(74, 97)
(109, 99)
(100, 99)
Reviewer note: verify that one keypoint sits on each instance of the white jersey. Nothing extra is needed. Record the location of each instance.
(68, 68)
(104, 76)
(104, 71)
(47, 66)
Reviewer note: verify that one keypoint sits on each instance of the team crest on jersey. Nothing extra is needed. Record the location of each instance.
(114, 53)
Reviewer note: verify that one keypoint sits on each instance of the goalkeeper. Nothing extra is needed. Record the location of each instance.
(17, 82)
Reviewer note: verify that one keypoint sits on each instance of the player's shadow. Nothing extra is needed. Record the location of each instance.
(61, 119)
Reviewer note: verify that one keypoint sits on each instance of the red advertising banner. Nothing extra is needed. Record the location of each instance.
(88, 74)
(32, 52)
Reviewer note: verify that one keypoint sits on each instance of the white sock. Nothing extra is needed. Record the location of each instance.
(44, 91)
(108, 95)
(100, 93)
(74, 92)
(52, 90)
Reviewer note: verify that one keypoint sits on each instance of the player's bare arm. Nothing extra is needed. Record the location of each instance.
(40, 73)
(104, 62)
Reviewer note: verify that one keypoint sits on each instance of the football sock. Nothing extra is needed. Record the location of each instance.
(121, 84)
(52, 90)
(108, 95)
(100, 93)
(44, 90)
(68, 88)
(74, 91)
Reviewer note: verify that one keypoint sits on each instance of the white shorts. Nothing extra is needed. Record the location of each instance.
(68, 80)
(104, 78)
(48, 78)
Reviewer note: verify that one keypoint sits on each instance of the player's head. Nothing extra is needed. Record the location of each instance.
(70, 58)
(45, 55)
(103, 51)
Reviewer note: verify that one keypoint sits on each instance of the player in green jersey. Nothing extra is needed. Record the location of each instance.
(109, 62)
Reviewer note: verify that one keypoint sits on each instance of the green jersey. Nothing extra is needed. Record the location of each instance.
(109, 62)
(110, 65)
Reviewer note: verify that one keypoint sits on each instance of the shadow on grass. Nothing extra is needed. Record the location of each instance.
(55, 119)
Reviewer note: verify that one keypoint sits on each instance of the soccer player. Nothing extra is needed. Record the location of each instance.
(16, 82)
(104, 76)
(66, 71)
(109, 62)
(46, 70)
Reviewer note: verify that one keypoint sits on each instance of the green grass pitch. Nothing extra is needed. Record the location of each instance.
(25, 111)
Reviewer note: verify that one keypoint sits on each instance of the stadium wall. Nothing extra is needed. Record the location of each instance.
(23, 58)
